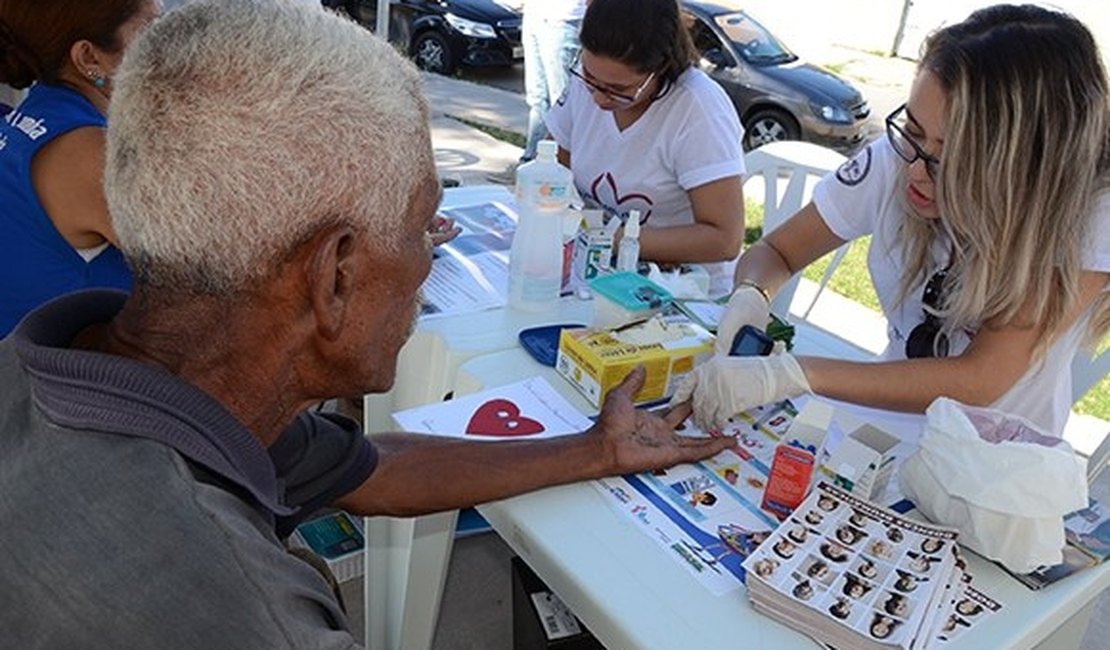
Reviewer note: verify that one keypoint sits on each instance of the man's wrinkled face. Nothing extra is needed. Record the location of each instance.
(393, 298)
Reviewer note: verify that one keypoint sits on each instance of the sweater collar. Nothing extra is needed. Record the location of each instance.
(81, 389)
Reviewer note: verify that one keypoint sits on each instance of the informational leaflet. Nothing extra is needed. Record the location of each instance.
(706, 515)
(1087, 532)
(471, 272)
(460, 285)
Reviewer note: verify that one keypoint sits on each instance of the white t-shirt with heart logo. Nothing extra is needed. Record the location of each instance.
(689, 137)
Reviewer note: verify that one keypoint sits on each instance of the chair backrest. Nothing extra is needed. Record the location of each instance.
(1097, 461)
(801, 165)
(1086, 371)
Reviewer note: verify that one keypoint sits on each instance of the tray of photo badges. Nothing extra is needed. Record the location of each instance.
(852, 574)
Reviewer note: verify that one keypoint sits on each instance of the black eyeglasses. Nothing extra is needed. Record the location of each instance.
(927, 339)
(620, 98)
(906, 146)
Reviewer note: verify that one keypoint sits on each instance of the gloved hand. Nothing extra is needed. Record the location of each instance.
(747, 306)
(724, 386)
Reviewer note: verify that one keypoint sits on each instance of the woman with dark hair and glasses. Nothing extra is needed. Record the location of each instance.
(642, 129)
(55, 234)
(989, 211)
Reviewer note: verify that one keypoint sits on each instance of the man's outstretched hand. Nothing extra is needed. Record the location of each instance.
(636, 440)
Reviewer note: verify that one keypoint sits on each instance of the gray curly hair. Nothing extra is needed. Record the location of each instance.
(239, 128)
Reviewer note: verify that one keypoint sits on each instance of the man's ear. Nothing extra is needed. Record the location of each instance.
(331, 273)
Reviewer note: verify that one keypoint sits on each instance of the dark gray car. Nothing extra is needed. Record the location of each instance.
(777, 95)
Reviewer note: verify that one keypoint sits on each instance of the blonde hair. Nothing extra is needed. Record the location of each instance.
(239, 128)
(1025, 158)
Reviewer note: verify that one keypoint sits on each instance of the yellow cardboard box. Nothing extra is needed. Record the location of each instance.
(596, 361)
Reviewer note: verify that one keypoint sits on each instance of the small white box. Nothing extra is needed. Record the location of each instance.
(338, 539)
(863, 464)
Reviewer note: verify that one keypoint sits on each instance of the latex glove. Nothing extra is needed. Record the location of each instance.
(745, 307)
(725, 386)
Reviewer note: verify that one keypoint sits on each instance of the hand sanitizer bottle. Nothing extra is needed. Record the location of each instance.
(628, 254)
(543, 191)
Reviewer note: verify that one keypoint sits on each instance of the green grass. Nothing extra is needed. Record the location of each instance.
(512, 137)
(852, 280)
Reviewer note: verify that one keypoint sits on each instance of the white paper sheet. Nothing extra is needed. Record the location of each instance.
(526, 409)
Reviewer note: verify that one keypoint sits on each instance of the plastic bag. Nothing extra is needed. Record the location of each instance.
(687, 282)
(1004, 484)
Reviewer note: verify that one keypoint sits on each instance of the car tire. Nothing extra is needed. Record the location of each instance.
(432, 52)
(769, 125)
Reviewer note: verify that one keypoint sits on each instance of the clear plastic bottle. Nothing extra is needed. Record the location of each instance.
(628, 255)
(543, 190)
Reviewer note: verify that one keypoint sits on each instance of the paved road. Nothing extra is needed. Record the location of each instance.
(883, 81)
(511, 79)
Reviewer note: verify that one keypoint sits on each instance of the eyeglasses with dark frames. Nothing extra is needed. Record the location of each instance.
(578, 72)
(906, 146)
(928, 338)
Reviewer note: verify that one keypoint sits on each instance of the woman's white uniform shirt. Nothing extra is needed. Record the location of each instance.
(864, 197)
(687, 138)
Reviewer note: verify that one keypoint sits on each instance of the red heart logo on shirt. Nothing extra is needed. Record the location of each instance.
(604, 190)
(500, 417)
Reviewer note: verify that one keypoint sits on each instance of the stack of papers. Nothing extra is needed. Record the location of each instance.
(852, 574)
(1088, 544)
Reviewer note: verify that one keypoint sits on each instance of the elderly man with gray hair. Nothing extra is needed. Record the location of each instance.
(270, 176)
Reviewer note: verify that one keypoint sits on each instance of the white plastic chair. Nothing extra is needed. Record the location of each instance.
(1086, 371)
(801, 165)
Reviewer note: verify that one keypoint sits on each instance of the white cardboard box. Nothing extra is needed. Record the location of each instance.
(863, 464)
(338, 539)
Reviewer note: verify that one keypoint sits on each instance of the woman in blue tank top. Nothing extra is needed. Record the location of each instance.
(55, 233)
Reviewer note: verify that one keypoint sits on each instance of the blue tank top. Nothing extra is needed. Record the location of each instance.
(36, 262)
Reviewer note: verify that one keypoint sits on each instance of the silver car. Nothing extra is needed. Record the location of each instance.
(777, 95)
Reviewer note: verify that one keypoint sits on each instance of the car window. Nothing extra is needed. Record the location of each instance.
(753, 41)
(707, 44)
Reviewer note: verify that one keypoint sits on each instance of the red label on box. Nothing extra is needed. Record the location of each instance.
(788, 483)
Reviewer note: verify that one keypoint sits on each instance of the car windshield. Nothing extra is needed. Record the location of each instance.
(753, 42)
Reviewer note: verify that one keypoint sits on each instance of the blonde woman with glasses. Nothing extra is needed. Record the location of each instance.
(643, 129)
(989, 213)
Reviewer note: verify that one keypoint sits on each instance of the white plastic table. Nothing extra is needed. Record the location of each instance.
(407, 558)
(631, 595)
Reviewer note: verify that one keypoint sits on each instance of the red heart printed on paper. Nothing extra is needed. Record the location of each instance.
(500, 417)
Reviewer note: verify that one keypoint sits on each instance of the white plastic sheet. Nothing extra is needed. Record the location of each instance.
(1004, 484)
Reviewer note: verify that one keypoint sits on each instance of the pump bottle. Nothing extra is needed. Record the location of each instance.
(628, 255)
(543, 190)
